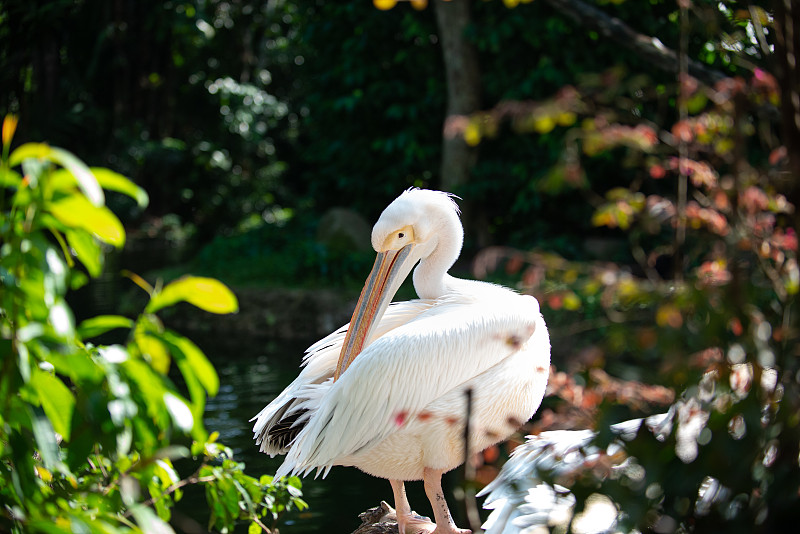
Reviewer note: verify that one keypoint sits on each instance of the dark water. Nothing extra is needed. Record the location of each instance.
(252, 374)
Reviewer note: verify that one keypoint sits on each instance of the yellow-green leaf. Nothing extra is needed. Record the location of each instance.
(113, 181)
(154, 351)
(82, 174)
(9, 178)
(62, 180)
(206, 293)
(198, 363)
(87, 251)
(76, 211)
(57, 401)
(28, 151)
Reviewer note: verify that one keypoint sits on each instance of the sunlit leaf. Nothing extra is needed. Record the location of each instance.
(113, 181)
(61, 319)
(57, 400)
(151, 387)
(206, 293)
(10, 178)
(101, 324)
(28, 151)
(154, 350)
(63, 180)
(197, 361)
(82, 174)
(76, 212)
(179, 411)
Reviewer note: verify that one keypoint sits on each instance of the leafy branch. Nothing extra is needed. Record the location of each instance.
(57, 472)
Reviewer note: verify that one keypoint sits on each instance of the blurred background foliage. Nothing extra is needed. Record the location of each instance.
(636, 160)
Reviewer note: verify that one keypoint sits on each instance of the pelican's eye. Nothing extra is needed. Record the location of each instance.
(399, 238)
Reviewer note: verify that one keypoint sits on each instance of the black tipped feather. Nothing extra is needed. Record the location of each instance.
(284, 431)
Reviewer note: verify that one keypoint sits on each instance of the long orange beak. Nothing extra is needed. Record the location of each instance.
(388, 272)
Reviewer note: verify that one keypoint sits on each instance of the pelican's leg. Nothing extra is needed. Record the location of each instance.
(407, 521)
(432, 479)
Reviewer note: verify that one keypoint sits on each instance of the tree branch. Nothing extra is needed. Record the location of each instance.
(649, 48)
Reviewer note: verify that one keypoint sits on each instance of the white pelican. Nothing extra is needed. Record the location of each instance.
(387, 393)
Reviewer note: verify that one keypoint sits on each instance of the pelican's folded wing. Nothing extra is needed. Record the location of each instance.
(402, 371)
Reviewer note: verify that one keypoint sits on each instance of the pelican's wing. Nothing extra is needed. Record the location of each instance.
(398, 313)
(404, 370)
(319, 363)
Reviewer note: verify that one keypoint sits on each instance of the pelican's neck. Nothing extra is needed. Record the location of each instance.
(431, 280)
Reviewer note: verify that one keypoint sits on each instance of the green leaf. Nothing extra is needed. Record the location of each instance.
(57, 401)
(206, 293)
(86, 180)
(196, 360)
(86, 250)
(179, 411)
(28, 151)
(9, 178)
(82, 174)
(60, 318)
(153, 349)
(150, 386)
(113, 181)
(63, 180)
(76, 211)
(101, 324)
(148, 521)
(45, 440)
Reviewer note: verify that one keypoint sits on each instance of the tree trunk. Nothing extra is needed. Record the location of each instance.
(463, 98)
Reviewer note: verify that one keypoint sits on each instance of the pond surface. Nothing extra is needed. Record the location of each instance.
(252, 374)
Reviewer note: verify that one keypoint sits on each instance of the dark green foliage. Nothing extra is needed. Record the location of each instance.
(374, 92)
(282, 255)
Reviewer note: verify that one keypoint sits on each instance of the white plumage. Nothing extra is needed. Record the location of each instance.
(398, 409)
(521, 499)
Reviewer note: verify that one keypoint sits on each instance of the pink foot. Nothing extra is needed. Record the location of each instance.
(450, 530)
(415, 524)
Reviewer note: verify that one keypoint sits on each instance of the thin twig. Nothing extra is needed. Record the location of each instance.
(470, 502)
(683, 149)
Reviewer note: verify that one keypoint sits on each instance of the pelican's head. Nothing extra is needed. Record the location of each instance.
(421, 218)
(418, 225)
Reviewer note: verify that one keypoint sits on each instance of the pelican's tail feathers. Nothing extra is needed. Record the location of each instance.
(279, 422)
